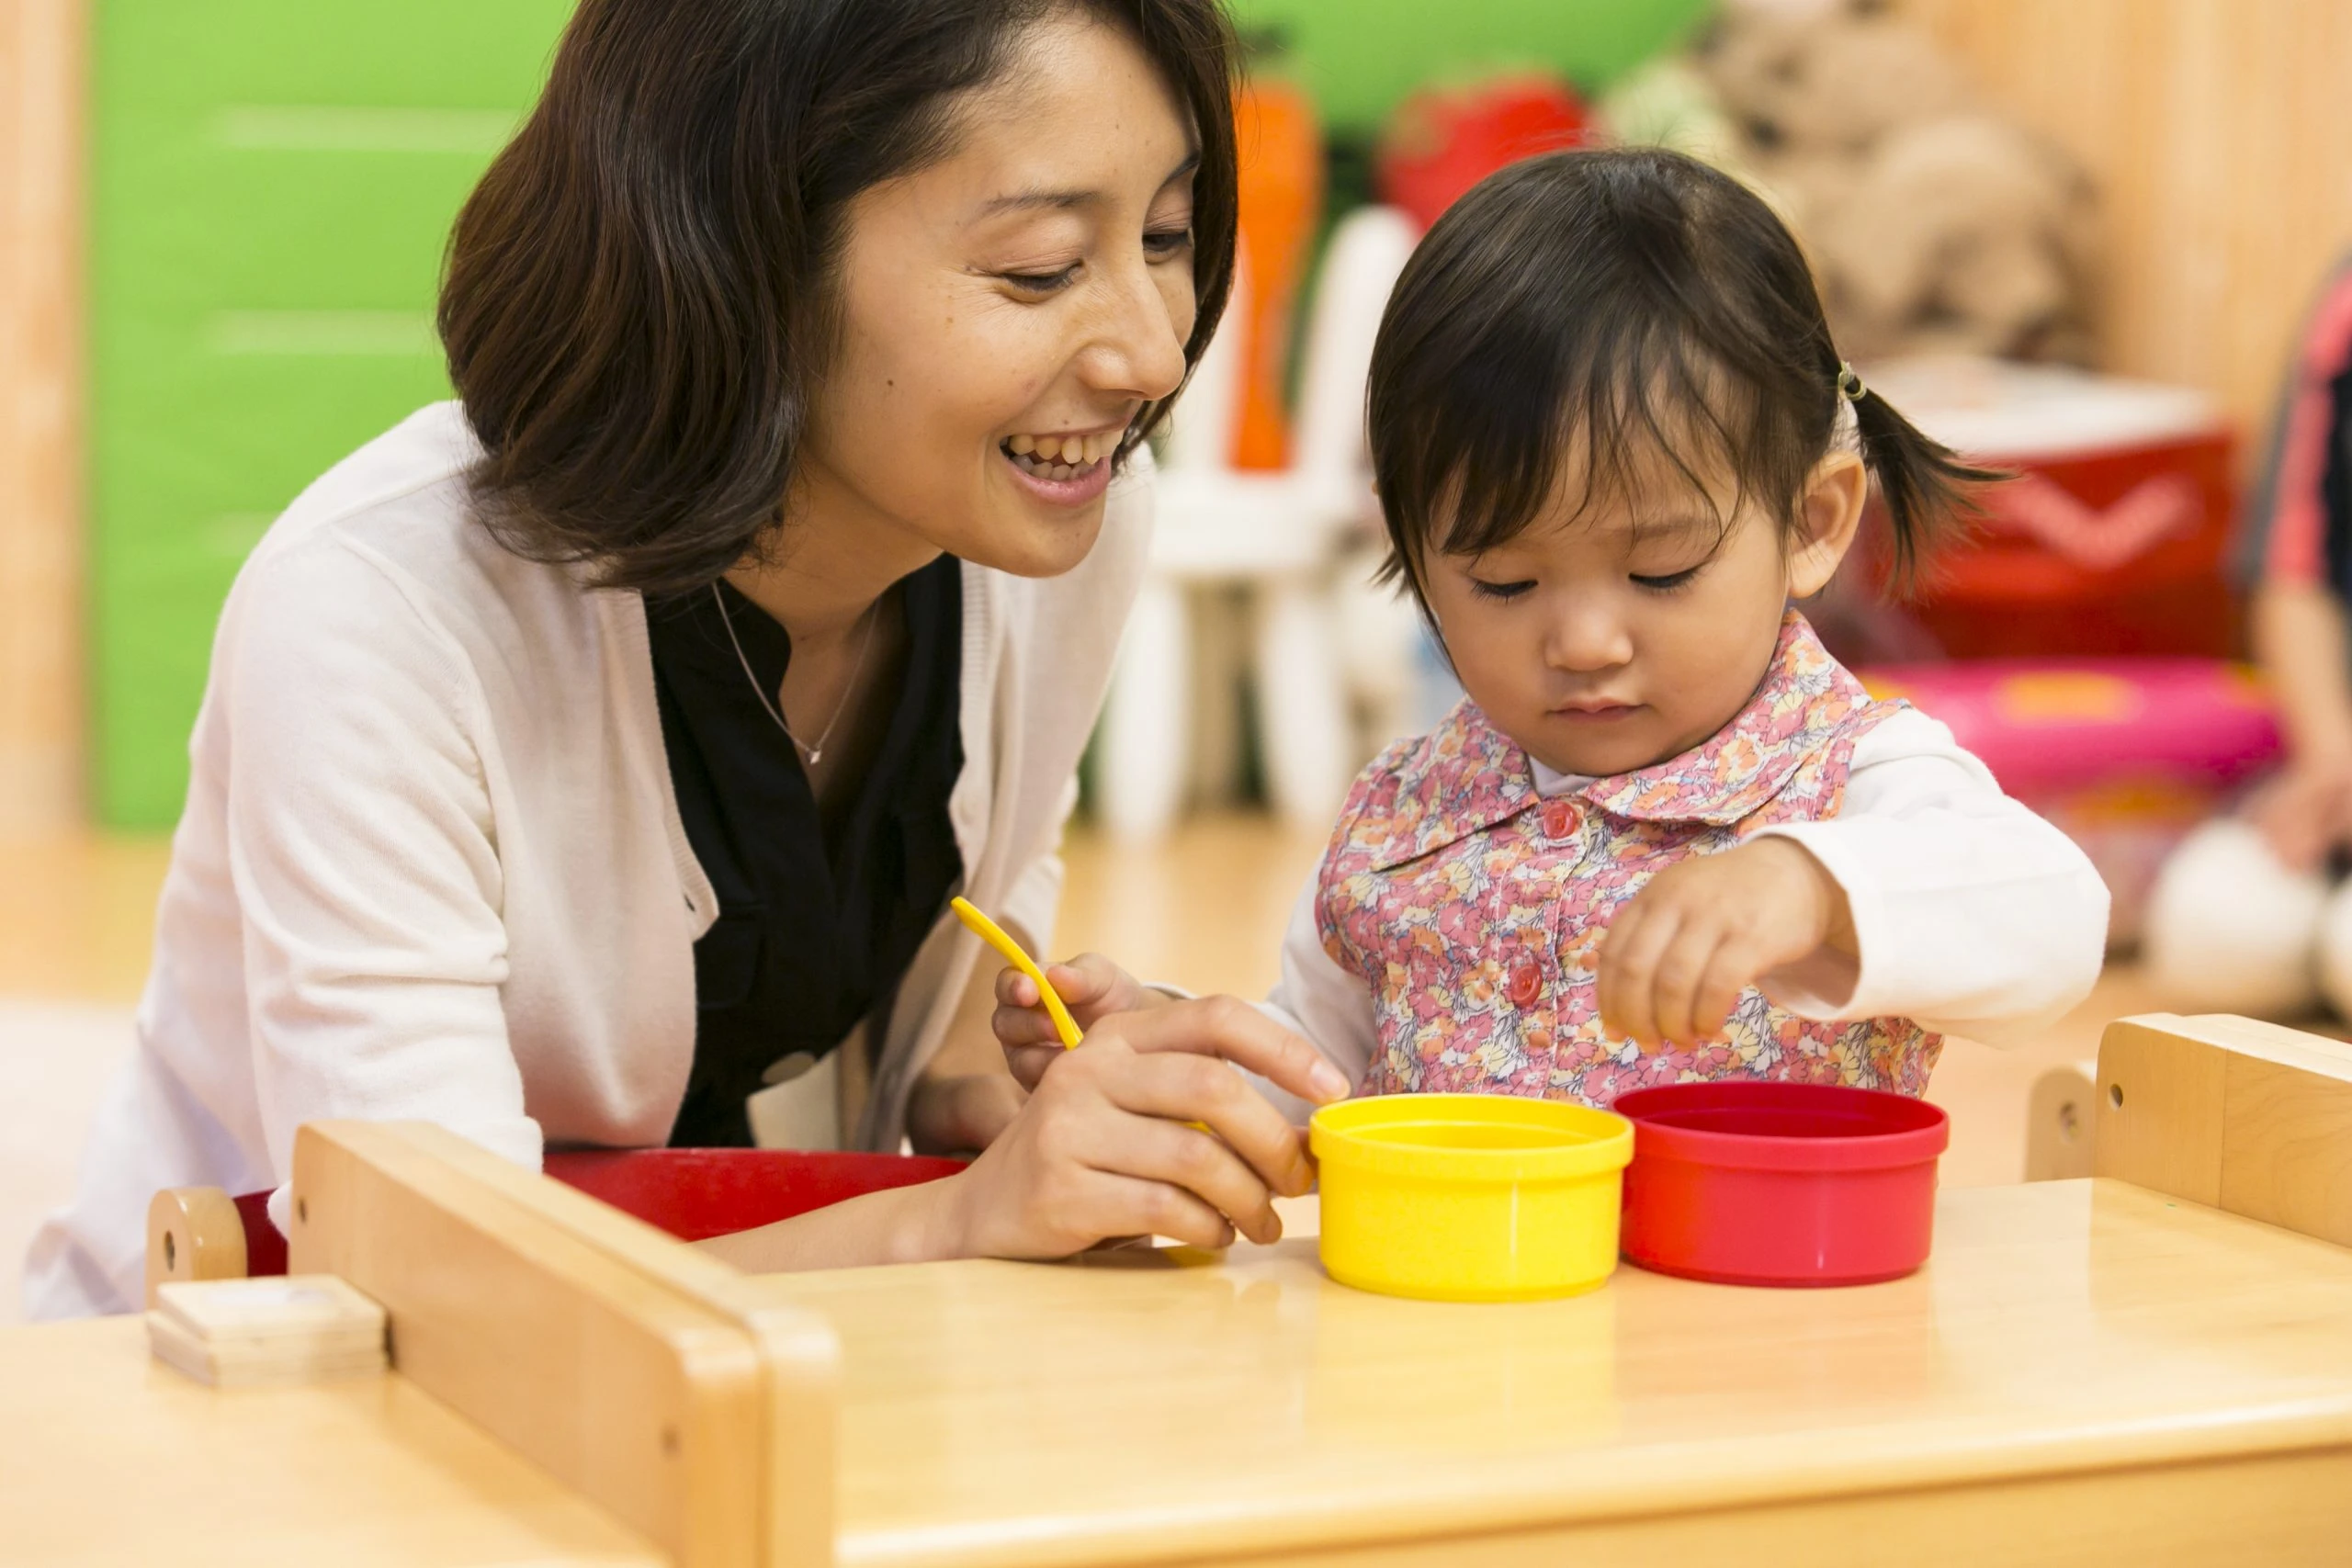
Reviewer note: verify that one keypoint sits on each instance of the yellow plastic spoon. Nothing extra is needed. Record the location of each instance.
(988, 932)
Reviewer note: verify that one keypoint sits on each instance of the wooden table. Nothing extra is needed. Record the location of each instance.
(2087, 1370)
(108, 1458)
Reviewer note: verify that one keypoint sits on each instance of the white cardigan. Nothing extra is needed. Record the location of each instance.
(431, 866)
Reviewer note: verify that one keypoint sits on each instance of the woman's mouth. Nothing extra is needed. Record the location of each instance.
(1058, 458)
(1064, 470)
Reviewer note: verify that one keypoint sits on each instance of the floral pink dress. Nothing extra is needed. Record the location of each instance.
(1473, 908)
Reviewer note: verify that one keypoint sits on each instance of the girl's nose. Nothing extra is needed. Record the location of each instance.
(1585, 639)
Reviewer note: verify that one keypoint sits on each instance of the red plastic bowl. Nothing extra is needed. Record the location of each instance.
(1745, 1183)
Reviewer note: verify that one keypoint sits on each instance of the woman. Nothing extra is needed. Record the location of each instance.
(578, 756)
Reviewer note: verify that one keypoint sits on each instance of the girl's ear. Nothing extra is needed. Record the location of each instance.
(1828, 518)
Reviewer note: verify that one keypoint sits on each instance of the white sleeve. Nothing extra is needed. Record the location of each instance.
(364, 861)
(1974, 916)
(1034, 899)
(1318, 1000)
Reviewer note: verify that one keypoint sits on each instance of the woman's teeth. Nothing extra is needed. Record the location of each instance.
(1060, 457)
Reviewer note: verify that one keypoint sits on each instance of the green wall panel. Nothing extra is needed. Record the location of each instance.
(1359, 57)
(271, 184)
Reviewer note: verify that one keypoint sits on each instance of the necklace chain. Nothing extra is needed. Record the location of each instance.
(814, 755)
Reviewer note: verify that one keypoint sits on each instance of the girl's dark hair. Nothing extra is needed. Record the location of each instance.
(1632, 305)
(640, 294)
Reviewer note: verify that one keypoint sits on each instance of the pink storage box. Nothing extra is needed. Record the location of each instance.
(2126, 755)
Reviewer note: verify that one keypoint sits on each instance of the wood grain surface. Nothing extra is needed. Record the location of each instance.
(40, 389)
(2069, 1344)
(2220, 134)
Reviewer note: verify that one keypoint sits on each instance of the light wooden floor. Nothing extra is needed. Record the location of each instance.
(1206, 910)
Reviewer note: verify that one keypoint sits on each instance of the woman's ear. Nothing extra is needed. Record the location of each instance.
(1828, 518)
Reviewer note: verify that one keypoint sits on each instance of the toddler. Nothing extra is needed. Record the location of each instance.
(1665, 836)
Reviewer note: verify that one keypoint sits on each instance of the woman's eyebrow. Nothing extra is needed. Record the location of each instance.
(1040, 197)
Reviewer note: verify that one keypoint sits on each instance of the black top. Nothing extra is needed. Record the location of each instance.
(817, 919)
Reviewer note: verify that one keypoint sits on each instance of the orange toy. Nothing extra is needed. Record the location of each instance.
(1282, 196)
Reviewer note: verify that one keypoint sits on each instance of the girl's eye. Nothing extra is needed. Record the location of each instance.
(1505, 591)
(1667, 583)
(1041, 282)
(1162, 243)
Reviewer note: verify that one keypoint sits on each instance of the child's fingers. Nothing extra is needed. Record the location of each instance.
(1735, 966)
(1028, 1063)
(1018, 1026)
(1635, 949)
(1681, 968)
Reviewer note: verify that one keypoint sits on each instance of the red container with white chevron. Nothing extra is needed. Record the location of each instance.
(2113, 538)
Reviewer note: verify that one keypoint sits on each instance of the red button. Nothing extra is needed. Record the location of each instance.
(1559, 817)
(1526, 982)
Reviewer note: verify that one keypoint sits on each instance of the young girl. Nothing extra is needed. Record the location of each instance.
(1666, 836)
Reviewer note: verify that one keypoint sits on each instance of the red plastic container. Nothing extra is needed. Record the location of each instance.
(1759, 1183)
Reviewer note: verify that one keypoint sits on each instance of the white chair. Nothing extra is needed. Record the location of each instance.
(1276, 531)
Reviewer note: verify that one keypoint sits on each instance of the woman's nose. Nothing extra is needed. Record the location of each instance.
(1138, 348)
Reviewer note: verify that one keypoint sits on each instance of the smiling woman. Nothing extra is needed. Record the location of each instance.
(590, 760)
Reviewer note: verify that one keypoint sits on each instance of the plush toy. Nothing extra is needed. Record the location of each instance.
(1445, 139)
(1935, 225)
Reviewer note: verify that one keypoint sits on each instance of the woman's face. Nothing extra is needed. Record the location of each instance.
(1007, 312)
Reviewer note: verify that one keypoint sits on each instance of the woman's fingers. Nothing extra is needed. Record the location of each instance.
(1190, 1161)
(1227, 1027)
(1029, 1063)
(1174, 1088)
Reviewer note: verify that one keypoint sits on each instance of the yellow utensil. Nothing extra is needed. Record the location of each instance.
(988, 932)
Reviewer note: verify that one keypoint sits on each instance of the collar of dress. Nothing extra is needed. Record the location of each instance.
(1467, 776)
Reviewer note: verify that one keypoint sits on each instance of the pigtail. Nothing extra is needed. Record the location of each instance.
(1932, 493)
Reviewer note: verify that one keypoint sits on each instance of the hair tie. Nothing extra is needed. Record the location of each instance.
(1850, 382)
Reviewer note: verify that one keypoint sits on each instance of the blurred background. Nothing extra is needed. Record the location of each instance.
(2078, 237)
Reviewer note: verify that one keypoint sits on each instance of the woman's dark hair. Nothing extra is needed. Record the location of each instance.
(1633, 306)
(639, 296)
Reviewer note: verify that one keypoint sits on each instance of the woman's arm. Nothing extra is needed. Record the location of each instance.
(1102, 1149)
(2300, 640)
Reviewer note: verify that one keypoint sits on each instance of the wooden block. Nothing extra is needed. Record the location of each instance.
(2061, 1123)
(193, 1232)
(2249, 1117)
(646, 1402)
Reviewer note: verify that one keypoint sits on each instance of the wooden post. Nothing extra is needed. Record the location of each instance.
(708, 1432)
(2247, 1117)
(40, 393)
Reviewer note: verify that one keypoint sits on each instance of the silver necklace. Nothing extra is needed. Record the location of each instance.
(814, 755)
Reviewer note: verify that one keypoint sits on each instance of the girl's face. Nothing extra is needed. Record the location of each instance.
(1007, 311)
(1605, 643)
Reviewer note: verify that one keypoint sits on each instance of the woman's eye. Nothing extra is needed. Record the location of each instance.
(1499, 590)
(1162, 243)
(1668, 582)
(1041, 282)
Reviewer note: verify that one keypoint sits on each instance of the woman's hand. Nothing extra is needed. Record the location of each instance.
(2305, 812)
(1090, 985)
(1675, 961)
(1102, 1149)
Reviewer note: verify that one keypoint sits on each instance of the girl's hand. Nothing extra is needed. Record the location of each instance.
(1090, 985)
(1102, 1149)
(1675, 961)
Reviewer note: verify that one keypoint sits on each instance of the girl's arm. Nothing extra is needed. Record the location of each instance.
(1317, 1000)
(1969, 913)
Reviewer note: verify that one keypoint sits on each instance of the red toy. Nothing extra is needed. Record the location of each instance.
(2110, 541)
(1443, 140)
(1744, 1182)
(691, 1194)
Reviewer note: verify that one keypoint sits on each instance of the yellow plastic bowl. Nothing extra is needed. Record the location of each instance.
(1469, 1197)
